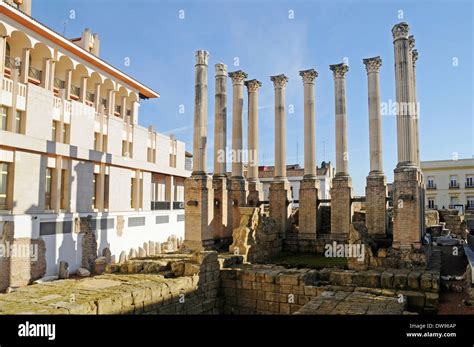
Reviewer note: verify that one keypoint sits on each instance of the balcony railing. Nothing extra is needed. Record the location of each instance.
(75, 90)
(90, 96)
(453, 185)
(59, 83)
(35, 73)
(118, 109)
(178, 205)
(434, 207)
(160, 205)
(431, 186)
(10, 62)
(469, 185)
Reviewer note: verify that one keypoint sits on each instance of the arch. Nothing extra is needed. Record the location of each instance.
(76, 83)
(38, 54)
(18, 40)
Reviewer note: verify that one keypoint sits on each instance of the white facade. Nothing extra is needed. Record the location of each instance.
(71, 146)
(449, 183)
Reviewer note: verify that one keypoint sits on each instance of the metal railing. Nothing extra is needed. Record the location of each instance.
(453, 185)
(160, 205)
(178, 205)
(75, 90)
(59, 83)
(431, 186)
(118, 109)
(90, 96)
(10, 62)
(35, 73)
(469, 185)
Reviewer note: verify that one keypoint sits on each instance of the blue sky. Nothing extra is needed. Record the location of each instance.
(266, 41)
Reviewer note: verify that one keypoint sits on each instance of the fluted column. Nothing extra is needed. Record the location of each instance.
(238, 78)
(200, 114)
(279, 83)
(416, 135)
(255, 187)
(405, 95)
(342, 158)
(308, 204)
(198, 191)
(372, 66)
(309, 77)
(280, 193)
(341, 190)
(408, 200)
(220, 120)
(220, 228)
(376, 188)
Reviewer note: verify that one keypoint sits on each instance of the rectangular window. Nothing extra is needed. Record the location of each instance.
(106, 192)
(96, 141)
(470, 202)
(431, 203)
(133, 185)
(3, 117)
(173, 151)
(66, 128)
(18, 122)
(453, 181)
(95, 179)
(54, 130)
(431, 183)
(124, 148)
(470, 181)
(64, 189)
(3, 185)
(104, 143)
(47, 189)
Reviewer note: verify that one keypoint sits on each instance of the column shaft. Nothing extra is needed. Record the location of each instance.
(280, 126)
(220, 121)
(238, 78)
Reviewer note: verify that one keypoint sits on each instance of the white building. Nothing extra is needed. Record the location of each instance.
(295, 174)
(71, 146)
(449, 183)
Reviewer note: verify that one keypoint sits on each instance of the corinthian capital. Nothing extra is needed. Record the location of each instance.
(237, 76)
(279, 81)
(411, 42)
(202, 57)
(221, 69)
(309, 75)
(400, 31)
(339, 70)
(414, 56)
(253, 85)
(372, 64)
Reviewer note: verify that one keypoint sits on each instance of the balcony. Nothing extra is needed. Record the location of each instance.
(59, 84)
(160, 205)
(6, 97)
(434, 207)
(100, 125)
(469, 185)
(118, 110)
(453, 185)
(57, 105)
(75, 92)
(34, 75)
(178, 205)
(431, 186)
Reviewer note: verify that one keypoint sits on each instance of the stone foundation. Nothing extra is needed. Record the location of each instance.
(255, 194)
(280, 207)
(376, 205)
(308, 209)
(237, 195)
(198, 212)
(341, 208)
(407, 213)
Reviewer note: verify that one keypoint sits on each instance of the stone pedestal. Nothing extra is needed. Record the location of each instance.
(341, 208)
(237, 197)
(255, 194)
(220, 222)
(407, 210)
(308, 209)
(376, 204)
(280, 207)
(199, 199)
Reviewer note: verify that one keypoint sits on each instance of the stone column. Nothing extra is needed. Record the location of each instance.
(280, 193)
(237, 186)
(407, 195)
(255, 186)
(199, 195)
(416, 140)
(376, 189)
(25, 65)
(341, 191)
(45, 74)
(219, 181)
(308, 205)
(83, 91)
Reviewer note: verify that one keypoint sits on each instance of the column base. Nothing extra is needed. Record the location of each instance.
(376, 205)
(280, 204)
(408, 212)
(237, 197)
(308, 209)
(255, 194)
(198, 211)
(220, 221)
(341, 208)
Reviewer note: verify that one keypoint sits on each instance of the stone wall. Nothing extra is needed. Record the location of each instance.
(270, 289)
(454, 221)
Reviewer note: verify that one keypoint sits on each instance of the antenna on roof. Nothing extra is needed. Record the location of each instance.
(65, 23)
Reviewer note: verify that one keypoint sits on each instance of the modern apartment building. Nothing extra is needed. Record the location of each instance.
(71, 146)
(449, 183)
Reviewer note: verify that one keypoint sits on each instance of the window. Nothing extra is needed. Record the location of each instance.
(133, 186)
(54, 130)
(104, 143)
(431, 203)
(95, 180)
(431, 183)
(96, 141)
(470, 181)
(64, 189)
(19, 122)
(125, 152)
(47, 190)
(3, 117)
(470, 202)
(151, 155)
(66, 128)
(173, 151)
(453, 181)
(4, 186)
(106, 192)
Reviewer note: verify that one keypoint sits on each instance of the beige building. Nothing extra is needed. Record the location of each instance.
(449, 183)
(71, 146)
